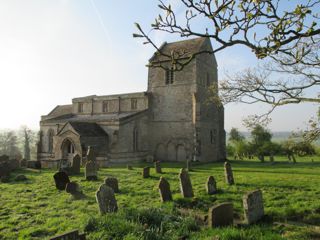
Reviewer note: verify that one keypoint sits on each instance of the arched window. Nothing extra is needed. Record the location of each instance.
(135, 139)
(50, 140)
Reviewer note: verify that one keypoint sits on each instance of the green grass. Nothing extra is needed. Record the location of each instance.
(36, 210)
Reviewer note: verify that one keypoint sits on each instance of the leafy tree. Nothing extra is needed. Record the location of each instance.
(261, 141)
(235, 135)
(9, 144)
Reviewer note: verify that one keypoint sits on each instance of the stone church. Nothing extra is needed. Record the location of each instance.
(172, 121)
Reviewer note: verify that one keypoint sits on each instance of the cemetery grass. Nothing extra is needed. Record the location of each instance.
(35, 209)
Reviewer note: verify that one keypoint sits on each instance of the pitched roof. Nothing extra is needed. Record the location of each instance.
(183, 48)
(61, 110)
(86, 129)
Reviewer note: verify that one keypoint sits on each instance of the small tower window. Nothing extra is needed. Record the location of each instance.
(80, 107)
(134, 104)
(169, 76)
(105, 106)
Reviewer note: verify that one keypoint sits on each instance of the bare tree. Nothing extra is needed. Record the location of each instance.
(286, 35)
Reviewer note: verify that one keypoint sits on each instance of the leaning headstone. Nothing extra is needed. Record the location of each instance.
(73, 235)
(221, 215)
(164, 189)
(211, 185)
(129, 167)
(157, 166)
(91, 171)
(106, 199)
(61, 179)
(228, 173)
(253, 206)
(91, 156)
(146, 172)
(185, 184)
(113, 183)
(76, 162)
(72, 188)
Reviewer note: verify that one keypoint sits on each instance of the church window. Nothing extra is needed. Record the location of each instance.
(213, 135)
(134, 104)
(169, 76)
(50, 140)
(80, 107)
(105, 106)
(135, 139)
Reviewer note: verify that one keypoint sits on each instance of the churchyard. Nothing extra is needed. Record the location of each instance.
(36, 209)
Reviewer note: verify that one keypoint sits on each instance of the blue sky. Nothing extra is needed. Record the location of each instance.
(53, 51)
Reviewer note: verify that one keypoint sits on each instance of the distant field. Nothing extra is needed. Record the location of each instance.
(36, 210)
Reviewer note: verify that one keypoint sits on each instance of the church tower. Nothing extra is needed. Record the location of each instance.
(184, 123)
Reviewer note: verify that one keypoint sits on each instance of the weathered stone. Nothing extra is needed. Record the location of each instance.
(4, 169)
(211, 185)
(20, 177)
(271, 158)
(91, 171)
(146, 172)
(91, 155)
(164, 189)
(221, 215)
(23, 163)
(34, 164)
(129, 167)
(253, 206)
(228, 173)
(4, 158)
(72, 188)
(14, 164)
(61, 179)
(106, 199)
(185, 184)
(73, 235)
(76, 162)
(113, 183)
(157, 166)
(5, 179)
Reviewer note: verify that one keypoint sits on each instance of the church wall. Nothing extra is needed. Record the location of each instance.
(171, 128)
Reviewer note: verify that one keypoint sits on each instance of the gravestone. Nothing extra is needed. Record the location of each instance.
(106, 199)
(91, 156)
(253, 206)
(34, 164)
(61, 179)
(76, 162)
(14, 164)
(113, 183)
(228, 173)
(164, 189)
(4, 158)
(4, 169)
(23, 163)
(146, 172)
(73, 235)
(20, 177)
(185, 184)
(221, 215)
(129, 167)
(73, 188)
(211, 185)
(157, 166)
(91, 171)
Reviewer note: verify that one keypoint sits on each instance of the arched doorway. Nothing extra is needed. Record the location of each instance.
(171, 152)
(68, 150)
(161, 153)
(181, 153)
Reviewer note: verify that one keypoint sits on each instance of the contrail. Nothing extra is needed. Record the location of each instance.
(101, 21)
